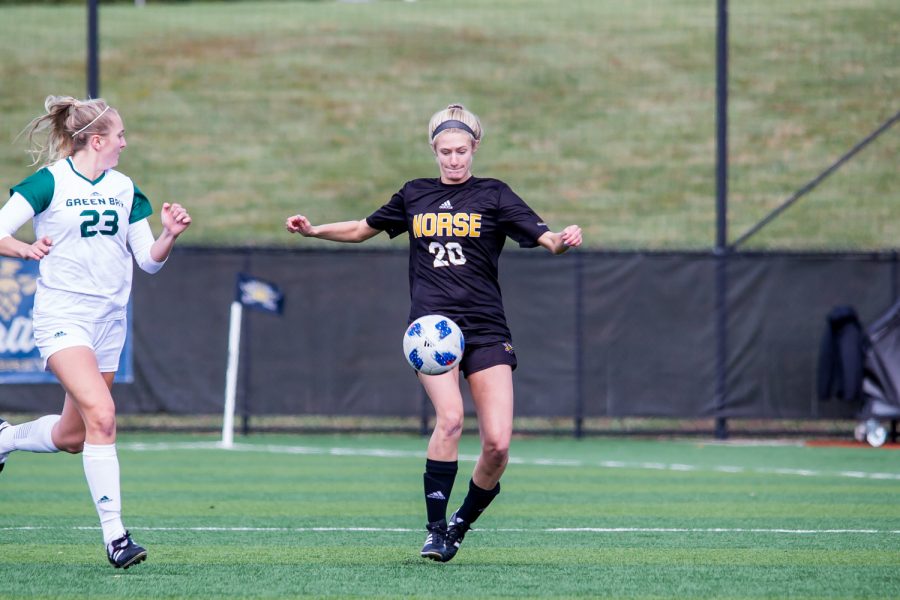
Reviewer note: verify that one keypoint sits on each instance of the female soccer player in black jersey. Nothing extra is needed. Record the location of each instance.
(457, 225)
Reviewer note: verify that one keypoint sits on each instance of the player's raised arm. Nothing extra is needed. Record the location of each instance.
(175, 219)
(557, 243)
(343, 231)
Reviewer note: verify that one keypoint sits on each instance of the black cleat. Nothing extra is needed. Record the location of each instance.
(434, 547)
(123, 552)
(456, 531)
(3, 455)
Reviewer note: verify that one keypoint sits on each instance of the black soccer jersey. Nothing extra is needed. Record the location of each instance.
(456, 234)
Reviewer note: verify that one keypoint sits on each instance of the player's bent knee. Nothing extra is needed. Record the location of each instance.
(495, 453)
(72, 447)
(102, 426)
(449, 426)
(72, 442)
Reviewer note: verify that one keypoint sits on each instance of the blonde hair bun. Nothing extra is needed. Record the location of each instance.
(455, 112)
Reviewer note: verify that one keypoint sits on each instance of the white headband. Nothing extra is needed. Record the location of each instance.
(92, 122)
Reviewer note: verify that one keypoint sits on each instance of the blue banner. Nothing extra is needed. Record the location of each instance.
(258, 294)
(20, 361)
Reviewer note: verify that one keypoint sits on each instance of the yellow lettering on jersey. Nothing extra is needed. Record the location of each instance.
(474, 225)
(461, 224)
(423, 225)
(444, 222)
(428, 224)
(447, 225)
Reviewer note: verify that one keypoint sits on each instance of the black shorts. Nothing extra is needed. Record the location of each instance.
(478, 358)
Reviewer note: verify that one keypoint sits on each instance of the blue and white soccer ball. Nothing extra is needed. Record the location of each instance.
(433, 344)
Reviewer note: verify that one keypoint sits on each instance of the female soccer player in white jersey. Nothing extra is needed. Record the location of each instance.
(86, 215)
(457, 225)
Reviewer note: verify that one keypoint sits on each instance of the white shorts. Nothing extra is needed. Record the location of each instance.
(106, 339)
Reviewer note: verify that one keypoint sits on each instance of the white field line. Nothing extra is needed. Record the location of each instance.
(607, 530)
(554, 462)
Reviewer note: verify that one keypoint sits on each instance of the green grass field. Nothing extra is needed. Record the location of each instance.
(341, 517)
(598, 112)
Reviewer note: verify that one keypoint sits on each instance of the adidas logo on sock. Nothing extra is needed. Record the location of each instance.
(446, 206)
(104, 500)
(438, 495)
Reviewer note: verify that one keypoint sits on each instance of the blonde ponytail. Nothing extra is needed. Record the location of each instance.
(67, 125)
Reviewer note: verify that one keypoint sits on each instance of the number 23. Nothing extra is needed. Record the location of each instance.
(109, 226)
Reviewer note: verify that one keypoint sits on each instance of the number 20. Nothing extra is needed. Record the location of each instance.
(452, 250)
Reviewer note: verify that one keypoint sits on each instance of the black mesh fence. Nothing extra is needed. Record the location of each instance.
(598, 334)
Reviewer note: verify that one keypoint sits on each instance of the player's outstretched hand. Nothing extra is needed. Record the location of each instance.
(571, 236)
(38, 250)
(175, 218)
(298, 224)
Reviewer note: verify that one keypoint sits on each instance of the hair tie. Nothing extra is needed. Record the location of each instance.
(92, 122)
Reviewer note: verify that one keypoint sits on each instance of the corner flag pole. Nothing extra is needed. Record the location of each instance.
(231, 373)
(259, 295)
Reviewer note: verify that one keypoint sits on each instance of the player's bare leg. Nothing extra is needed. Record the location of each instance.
(69, 432)
(492, 392)
(48, 434)
(88, 391)
(445, 395)
(443, 450)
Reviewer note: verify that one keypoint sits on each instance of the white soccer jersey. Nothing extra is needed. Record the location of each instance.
(87, 274)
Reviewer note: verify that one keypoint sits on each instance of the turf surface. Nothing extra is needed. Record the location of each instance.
(341, 517)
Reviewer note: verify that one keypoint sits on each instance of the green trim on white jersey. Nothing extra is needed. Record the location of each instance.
(74, 170)
(87, 275)
(140, 207)
(37, 188)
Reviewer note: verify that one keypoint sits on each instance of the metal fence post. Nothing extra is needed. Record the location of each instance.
(579, 346)
(93, 45)
(721, 250)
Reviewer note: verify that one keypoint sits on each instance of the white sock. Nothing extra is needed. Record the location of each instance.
(101, 468)
(33, 436)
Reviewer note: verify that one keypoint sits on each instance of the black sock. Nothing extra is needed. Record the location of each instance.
(476, 501)
(439, 478)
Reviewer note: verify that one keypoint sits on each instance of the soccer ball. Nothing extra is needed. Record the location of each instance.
(433, 344)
